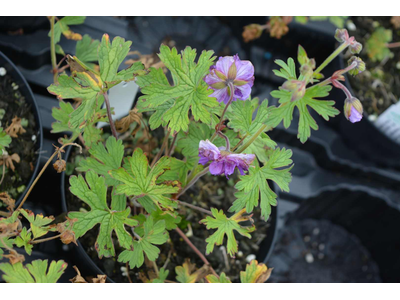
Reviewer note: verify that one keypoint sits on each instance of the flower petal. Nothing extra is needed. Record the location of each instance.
(355, 116)
(224, 63)
(216, 167)
(221, 95)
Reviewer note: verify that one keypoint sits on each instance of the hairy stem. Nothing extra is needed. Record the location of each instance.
(45, 239)
(343, 88)
(203, 210)
(393, 45)
(164, 144)
(252, 139)
(53, 51)
(227, 143)
(202, 257)
(171, 148)
(58, 151)
(331, 57)
(218, 128)
(110, 119)
(193, 181)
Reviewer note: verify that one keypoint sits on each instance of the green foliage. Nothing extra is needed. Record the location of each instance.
(376, 45)
(226, 226)
(214, 279)
(153, 233)
(284, 112)
(255, 273)
(93, 192)
(184, 273)
(88, 85)
(5, 139)
(189, 92)
(23, 240)
(140, 181)
(287, 71)
(39, 223)
(61, 27)
(253, 188)
(86, 49)
(35, 272)
(162, 276)
(103, 159)
(241, 120)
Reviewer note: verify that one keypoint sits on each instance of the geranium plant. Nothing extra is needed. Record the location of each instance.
(210, 125)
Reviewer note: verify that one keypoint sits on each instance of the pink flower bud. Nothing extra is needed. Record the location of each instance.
(341, 35)
(360, 65)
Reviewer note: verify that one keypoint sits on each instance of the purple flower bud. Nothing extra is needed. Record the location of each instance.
(341, 35)
(353, 110)
(231, 71)
(355, 47)
(222, 161)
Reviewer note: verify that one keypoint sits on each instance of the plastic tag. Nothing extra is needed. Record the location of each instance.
(121, 98)
(389, 122)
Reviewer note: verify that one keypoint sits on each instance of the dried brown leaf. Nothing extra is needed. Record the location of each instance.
(14, 257)
(7, 200)
(60, 165)
(133, 117)
(15, 128)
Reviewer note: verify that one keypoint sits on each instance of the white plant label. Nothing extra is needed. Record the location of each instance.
(389, 122)
(121, 99)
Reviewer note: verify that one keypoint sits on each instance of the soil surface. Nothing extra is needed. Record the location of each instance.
(14, 104)
(313, 251)
(378, 87)
(209, 191)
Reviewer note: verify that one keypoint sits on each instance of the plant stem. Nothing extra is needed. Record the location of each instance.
(227, 143)
(171, 149)
(203, 210)
(241, 141)
(4, 171)
(202, 257)
(53, 51)
(127, 272)
(393, 45)
(156, 268)
(4, 214)
(218, 128)
(43, 169)
(164, 144)
(45, 239)
(252, 139)
(110, 119)
(193, 181)
(339, 50)
(344, 89)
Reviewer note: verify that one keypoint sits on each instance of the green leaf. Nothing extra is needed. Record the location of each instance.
(104, 159)
(93, 192)
(111, 55)
(214, 279)
(35, 272)
(162, 276)
(184, 273)
(189, 142)
(226, 226)
(86, 49)
(241, 120)
(189, 91)
(5, 139)
(139, 180)
(284, 112)
(288, 70)
(255, 273)
(23, 240)
(38, 223)
(62, 26)
(253, 188)
(69, 88)
(376, 45)
(153, 234)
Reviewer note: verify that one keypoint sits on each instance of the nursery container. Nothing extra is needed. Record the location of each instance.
(37, 138)
(350, 212)
(89, 267)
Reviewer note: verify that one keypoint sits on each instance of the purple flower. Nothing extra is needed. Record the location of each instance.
(231, 71)
(222, 161)
(353, 109)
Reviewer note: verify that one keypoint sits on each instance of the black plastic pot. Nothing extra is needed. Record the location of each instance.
(27, 93)
(368, 212)
(87, 266)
